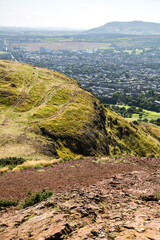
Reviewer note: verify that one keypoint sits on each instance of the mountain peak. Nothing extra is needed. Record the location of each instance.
(133, 27)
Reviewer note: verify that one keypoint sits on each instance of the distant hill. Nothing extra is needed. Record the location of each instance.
(135, 28)
(54, 31)
(47, 113)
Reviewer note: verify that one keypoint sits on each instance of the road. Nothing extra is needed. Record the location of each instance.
(8, 50)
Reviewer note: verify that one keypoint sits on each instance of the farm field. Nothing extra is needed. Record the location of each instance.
(57, 45)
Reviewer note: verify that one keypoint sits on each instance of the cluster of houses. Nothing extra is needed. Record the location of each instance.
(102, 71)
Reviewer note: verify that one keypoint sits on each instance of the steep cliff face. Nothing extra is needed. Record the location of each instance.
(129, 137)
(45, 112)
(85, 133)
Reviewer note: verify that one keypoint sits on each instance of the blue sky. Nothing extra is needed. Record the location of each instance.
(82, 14)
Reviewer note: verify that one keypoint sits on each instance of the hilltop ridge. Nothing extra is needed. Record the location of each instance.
(133, 27)
(47, 113)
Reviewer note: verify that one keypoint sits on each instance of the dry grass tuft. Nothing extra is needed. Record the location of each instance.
(36, 164)
(4, 169)
(14, 150)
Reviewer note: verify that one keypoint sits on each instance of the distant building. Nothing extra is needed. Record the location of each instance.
(45, 50)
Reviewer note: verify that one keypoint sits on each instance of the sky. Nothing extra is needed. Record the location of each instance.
(80, 14)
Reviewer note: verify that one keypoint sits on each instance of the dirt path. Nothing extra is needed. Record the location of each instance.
(66, 176)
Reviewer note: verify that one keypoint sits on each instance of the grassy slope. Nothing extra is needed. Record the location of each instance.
(36, 103)
(126, 137)
(153, 130)
(45, 112)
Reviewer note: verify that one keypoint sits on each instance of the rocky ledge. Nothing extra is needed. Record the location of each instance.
(107, 210)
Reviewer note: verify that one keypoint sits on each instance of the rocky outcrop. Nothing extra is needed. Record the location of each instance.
(93, 139)
(107, 210)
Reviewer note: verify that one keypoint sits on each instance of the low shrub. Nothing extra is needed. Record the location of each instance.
(158, 195)
(152, 155)
(11, 161)
(135, 122)
(148, 198)
(36, 197)
(7, 203)
(68, 158)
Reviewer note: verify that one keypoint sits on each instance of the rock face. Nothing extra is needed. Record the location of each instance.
(120, 206)
(91, 141)
(85, 215)
(45, 112)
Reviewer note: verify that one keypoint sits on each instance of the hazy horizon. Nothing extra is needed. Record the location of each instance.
(71, 14)
(64, 28)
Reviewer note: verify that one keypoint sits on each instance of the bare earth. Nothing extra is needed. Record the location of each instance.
(93, 200)
(66, 176)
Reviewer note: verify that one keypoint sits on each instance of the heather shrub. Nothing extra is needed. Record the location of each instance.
(36, 197)
(11, 161)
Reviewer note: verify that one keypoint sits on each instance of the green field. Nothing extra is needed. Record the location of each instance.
(128, 51)
(104, 46)
(150, 115)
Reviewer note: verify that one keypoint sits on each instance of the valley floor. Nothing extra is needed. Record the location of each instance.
(94, 199)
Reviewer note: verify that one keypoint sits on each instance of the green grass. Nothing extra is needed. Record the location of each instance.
(32, 199)
(128, 51)
(150, 115)
(158, 195)
(104, 46)
(153, 130)
(37, 197)
(125, 137)
(40, 170)
(29, 217)
(75, 165)
(139, 51)
(122, 105)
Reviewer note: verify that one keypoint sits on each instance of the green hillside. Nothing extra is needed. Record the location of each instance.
(44, 113)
